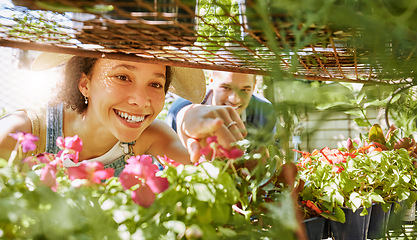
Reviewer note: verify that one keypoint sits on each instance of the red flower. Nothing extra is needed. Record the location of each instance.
(27, 140)
(305, 159)
(312, 206)
(332, 156)
(92, 171)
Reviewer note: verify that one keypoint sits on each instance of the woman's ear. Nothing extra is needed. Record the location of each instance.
(84, 84)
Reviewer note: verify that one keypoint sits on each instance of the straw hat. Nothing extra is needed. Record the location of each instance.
(188, 83)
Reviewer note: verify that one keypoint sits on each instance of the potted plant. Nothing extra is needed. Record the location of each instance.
(393, 140)
(341, 182)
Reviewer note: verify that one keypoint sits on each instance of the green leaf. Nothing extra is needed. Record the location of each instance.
(211, 170)
(377, 103)
(339, 214)
(353, 87)
(175, 226)
(3, 162)
(57, 7)
(324, 106)
(376, 134)
(354, 112)
(227, 232)
(355, 200)
(203, 213)
(376, 197)
(360, 98)
(221, 213)
(364, 212)
(339, 199)
(208, 231)
(204, 192)
(230, 192)
(361, 122)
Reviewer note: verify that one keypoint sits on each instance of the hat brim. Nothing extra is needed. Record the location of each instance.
(188, 83)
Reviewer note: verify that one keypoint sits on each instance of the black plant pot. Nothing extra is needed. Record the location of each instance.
(314, 227)
(394, 220)
(355, 227)
(326, 229)
(378, 223)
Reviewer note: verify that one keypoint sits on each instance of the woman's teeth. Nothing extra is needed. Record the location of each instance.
(130, 118)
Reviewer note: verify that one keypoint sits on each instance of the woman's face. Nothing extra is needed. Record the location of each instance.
(125, 97)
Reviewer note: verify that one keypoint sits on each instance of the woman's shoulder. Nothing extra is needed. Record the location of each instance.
(12, 123)
(16, 121)
(158, 132)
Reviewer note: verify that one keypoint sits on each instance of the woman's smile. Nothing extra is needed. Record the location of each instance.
(130, 120)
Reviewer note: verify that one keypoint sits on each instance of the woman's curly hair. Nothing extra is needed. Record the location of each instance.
(70, 94)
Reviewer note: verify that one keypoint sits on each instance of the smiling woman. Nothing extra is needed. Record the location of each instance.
(112, 106)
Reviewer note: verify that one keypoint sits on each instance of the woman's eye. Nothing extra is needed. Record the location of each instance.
(123, 77)
(157, 85)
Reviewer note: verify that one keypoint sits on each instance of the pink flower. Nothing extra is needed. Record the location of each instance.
(31, 161)
(39, 158)
(92, 171)
(143, 196)
(48, 176)
(128, 179)
(141, 171)
(157, 184)
(233, 153)
(169, 161)
(213, 145)
(68, 154)
(45, 157)
(27, 140)
(75, 143)
(71, 147)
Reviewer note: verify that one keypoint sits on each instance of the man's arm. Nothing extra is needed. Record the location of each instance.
(171, 118)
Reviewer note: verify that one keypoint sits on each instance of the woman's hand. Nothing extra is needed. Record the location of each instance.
(196, 122)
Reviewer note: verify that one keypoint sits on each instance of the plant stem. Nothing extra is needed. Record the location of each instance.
(13, 154)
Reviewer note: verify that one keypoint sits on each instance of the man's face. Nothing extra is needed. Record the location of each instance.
(232, 89)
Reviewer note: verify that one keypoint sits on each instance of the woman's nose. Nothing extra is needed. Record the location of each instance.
(139, 96)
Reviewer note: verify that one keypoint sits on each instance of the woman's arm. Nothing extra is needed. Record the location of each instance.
(12, 123)
(163, 141)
